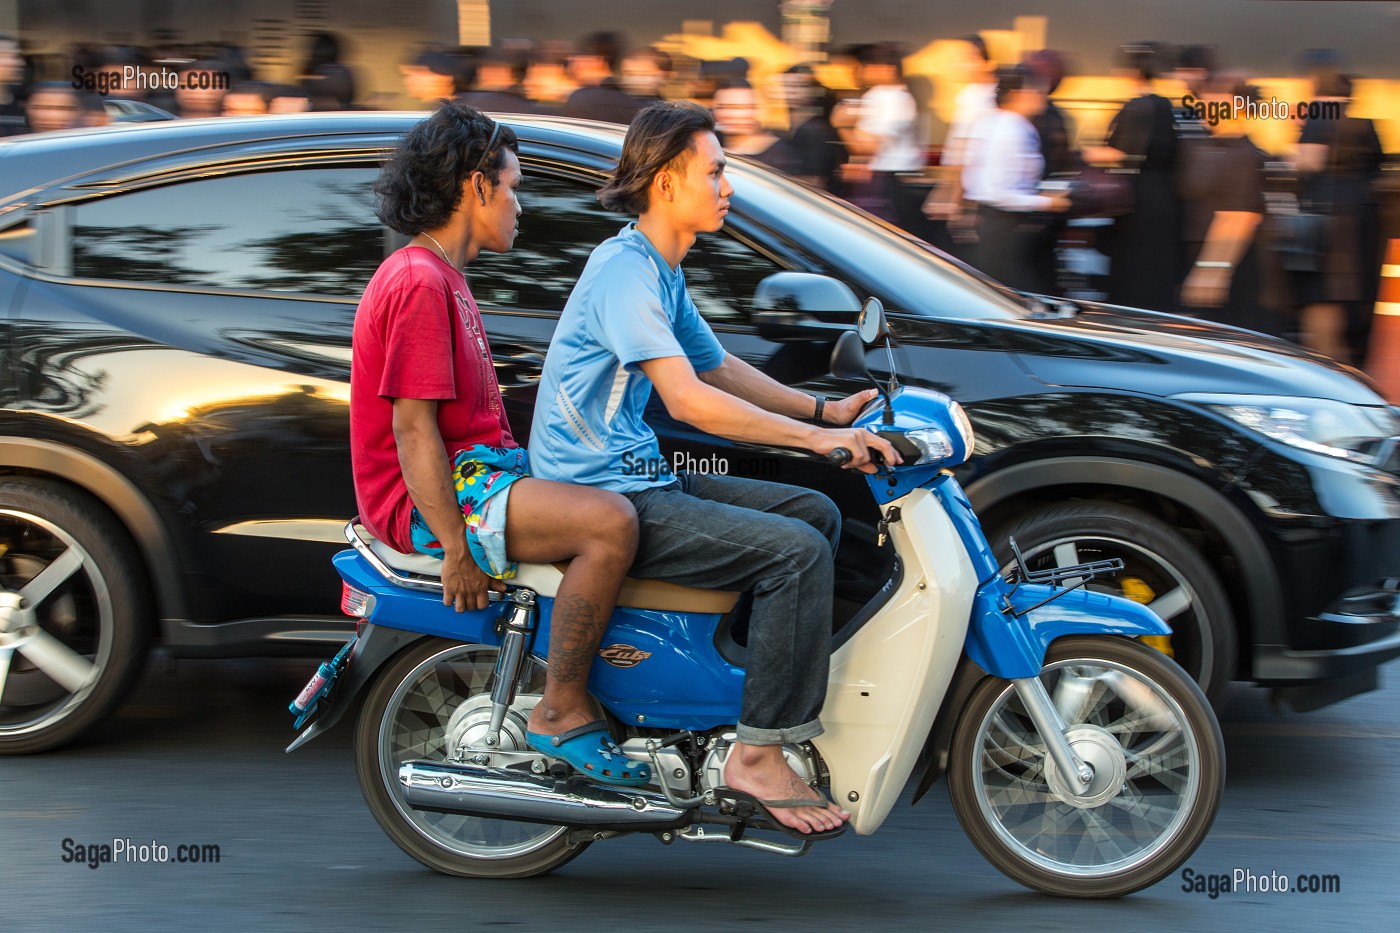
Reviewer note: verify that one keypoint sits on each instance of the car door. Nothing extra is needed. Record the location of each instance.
(200, 331)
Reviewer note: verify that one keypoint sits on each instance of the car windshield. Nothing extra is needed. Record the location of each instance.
(908, 273)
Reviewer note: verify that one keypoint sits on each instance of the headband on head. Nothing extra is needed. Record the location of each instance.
(490, 144)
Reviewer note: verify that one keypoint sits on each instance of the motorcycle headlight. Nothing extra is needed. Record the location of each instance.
(1359, 433)
(964, 426)
(933, 443)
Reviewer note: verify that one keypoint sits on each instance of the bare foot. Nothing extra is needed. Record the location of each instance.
(762, 771)
(550, 720)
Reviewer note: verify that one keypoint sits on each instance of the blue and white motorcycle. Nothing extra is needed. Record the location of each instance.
(1080, 761)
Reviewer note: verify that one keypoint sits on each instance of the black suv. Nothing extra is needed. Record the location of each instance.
(177, 302)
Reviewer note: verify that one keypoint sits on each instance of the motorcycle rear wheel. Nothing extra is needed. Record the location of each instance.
(1149, 732)
(405, 718)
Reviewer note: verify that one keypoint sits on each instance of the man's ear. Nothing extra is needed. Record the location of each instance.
(663, 186)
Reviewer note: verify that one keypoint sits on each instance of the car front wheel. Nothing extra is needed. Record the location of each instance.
(74, 623)
(1161, 570)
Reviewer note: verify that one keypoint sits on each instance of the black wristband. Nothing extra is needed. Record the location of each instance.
(821, 406)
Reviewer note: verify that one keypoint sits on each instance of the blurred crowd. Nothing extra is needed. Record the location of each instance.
(1186, 213)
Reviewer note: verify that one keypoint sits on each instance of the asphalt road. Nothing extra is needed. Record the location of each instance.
(195, 757)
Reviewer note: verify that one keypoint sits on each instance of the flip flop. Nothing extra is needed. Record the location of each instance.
(755, 805)
(592, 752)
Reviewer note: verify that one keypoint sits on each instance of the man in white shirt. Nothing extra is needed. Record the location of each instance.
(886, 133)
(1002, 173)
(977, 98)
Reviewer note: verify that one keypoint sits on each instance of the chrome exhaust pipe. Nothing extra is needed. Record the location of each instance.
(506, 794)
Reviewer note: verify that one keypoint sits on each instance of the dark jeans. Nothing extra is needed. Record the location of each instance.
(777, 541)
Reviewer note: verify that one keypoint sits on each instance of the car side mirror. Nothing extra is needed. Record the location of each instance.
(802, 306)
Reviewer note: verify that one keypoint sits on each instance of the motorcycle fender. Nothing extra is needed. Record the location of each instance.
(375, 646)
(1012, 646)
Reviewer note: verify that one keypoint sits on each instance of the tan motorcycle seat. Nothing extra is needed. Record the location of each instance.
(544, 579)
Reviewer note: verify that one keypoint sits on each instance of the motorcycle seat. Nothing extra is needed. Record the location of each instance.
(544, 579)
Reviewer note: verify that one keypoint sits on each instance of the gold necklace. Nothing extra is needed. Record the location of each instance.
(440, 249)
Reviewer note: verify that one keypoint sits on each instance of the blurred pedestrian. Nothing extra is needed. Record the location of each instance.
(820, 151)
(1222, 189)
(1046, 69)
(741, 131)
(326, 80)
(645, 75)
(1339, 160)
(436, 74)
(971, 65)
(200, 89)
(599, 96)
(54, 105)
(1196, 66)
(497, 88)
(12, 119)
(1002, 176)
(1144, 246)
(886, 135)
(547, 82)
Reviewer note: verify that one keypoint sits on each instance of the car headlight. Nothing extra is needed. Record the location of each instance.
(1359, 433)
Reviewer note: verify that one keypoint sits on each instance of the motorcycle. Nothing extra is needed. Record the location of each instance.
(1080, 761)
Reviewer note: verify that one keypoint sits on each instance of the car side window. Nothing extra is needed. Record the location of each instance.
(561, 222)
(310, 231)
(722, 274)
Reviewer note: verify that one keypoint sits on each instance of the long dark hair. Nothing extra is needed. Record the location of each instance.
(659, 136)
(420, 185)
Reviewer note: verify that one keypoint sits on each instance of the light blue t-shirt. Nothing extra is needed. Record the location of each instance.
(627, 307)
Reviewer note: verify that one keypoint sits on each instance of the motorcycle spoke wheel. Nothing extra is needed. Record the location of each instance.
(1158, 760)
(406, 718)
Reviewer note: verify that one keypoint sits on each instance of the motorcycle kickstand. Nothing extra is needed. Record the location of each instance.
(1041, 710)
(515, 647)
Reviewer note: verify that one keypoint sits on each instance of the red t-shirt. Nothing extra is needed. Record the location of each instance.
(418, 334)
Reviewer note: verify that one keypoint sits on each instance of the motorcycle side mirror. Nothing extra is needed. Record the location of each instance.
(848, 358)
(871, 323)
(848, 362)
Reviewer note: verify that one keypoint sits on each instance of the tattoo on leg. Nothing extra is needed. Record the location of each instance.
(573, 639)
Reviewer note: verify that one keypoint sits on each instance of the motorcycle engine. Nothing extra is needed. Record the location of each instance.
(800, 758)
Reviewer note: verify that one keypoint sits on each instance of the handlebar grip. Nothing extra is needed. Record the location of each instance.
(839, 457)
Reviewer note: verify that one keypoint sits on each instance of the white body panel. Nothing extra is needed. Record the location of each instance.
(888, 681)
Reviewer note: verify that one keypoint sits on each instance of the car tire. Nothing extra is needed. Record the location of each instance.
(75, 623)
(1162, 569)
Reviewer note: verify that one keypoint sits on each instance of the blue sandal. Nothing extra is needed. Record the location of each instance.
(592, 752)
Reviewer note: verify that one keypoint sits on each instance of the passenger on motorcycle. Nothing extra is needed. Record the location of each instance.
(435, 465)
(629, 326)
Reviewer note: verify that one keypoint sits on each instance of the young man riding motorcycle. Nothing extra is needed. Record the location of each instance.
(629, 326)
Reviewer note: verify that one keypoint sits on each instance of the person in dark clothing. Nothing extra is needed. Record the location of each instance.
(820, 151)
(1338, 163)
(496, 89)
(435, 74)
(1144, 246)
(1222, 191)
(741, 132)
(1047, 69)
(599, 97)
(327, 81)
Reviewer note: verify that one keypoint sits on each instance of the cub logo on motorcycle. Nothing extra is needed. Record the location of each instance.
(1080, 761)
(623, 655)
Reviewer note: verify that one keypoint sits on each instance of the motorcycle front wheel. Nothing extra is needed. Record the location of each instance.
(1159, 762)
(407, 716)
